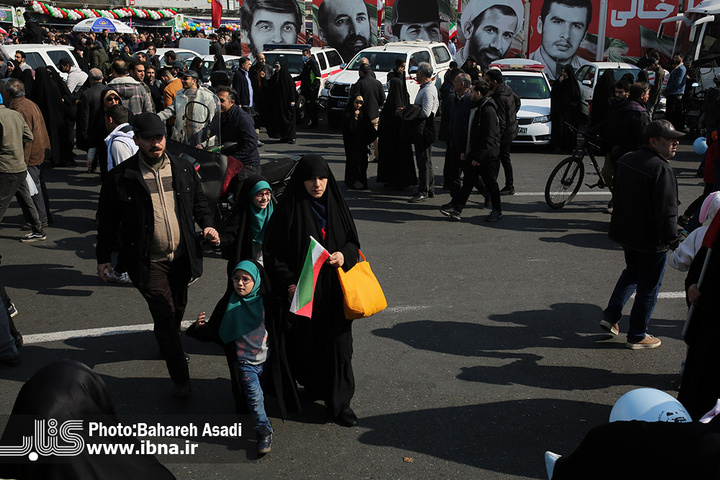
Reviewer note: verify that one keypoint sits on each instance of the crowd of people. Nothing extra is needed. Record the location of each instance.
(123, 103)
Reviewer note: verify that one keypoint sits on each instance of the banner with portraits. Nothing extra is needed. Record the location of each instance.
(566, 32)
(559, 31)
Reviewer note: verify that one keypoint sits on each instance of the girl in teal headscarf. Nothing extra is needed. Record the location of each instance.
(244, 233)
(240, 319)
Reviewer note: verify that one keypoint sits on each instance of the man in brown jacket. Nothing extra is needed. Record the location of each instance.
(36, 151)
(13, 170)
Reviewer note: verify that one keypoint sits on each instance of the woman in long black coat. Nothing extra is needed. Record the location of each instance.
(283, 95)
(319, 348)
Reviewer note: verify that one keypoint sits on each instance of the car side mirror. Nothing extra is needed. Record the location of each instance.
(587, 83)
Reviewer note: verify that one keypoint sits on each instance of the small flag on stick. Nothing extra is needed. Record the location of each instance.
(302, 302)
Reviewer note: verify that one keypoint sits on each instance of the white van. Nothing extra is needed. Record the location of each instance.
(40, 55)
(329, 61)
(334, 96)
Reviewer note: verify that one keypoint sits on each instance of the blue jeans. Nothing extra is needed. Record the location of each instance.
(250, 382)
(643, 276)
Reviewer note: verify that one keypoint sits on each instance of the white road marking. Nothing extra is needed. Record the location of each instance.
(542, 194)
(91, 332)
(148, 327)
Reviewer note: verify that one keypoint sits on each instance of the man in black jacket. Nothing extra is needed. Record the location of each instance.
(238, 126)
(153, 200)
(644, 223)
(481, 157)
(90, 129)
(310, 86)
(508, 105)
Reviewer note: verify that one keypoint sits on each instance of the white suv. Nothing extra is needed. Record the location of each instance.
(334, 96)
(41, 55)
(328, 59)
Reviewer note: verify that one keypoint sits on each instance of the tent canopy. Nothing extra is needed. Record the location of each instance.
(100, 24)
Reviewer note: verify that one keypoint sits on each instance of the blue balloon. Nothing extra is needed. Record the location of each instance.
(700, 145)
(649, 405)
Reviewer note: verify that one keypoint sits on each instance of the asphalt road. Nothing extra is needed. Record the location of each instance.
(488, 354)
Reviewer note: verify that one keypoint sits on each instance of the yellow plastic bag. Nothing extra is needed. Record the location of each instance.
(362, 292)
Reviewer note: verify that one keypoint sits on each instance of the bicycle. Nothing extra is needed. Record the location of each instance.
(566, 178)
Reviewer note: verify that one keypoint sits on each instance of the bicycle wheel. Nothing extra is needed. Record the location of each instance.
(564, 182)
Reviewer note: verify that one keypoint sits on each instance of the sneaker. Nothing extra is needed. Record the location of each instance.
(494, 216)
(507, 191)
(264, 440)
(451, 212)
(648, 342)
(34, 237)
(418, 197)
(115, 277)
(611, 328)
(12, 310)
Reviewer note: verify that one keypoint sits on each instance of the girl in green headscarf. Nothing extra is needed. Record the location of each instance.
(244, 233)
(243, 322)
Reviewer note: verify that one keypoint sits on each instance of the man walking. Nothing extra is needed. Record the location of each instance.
(427, 101)
(674, 91)
(481, 156)
(310, 86)
(36, 152)
(13, 169)
(153, 200)
(508, 105)
(644, 223)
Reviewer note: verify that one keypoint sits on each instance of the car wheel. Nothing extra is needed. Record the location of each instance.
(300, 110)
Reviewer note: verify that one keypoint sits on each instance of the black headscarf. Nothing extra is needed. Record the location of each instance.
(69, 390)
(604, 91)
(196, 65)
(26, 76)
(219, 63)
(299, 216)
(282, 92)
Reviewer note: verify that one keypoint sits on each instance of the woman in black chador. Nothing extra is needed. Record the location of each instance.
(62, 391)
(564, 105)
(319, 348)
(282, 97)
(396, 166)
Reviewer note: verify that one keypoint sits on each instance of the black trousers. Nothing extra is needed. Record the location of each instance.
(486, 173)
(166, 293)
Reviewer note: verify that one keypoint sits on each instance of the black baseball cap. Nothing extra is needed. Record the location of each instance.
(148, 125)
(189, 73)
(661, 128)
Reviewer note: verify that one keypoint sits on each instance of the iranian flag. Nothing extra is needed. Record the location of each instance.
(302, 302)
(216, 13)
(452, 31)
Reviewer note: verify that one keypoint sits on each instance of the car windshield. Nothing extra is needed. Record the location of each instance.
(379, 61)
(618, 73)
(526, 86)
(292, 61)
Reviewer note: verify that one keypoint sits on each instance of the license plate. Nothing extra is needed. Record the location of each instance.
(694, 113)
(342, 103)
(522, 130)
